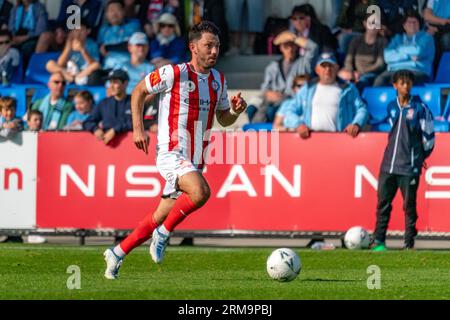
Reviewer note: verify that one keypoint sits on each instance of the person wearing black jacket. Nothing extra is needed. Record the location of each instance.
(113, 114)
(410, 142)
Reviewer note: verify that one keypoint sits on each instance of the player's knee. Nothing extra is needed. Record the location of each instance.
(201, 195)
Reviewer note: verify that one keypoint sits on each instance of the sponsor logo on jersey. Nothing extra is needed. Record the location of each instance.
(215, 85)
(190, 86)
(155, 78)
(410, 114)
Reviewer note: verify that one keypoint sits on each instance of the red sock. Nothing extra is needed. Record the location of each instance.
(182, 208)
(139, 235)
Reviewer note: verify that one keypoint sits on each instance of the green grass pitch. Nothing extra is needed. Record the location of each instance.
(40, 272)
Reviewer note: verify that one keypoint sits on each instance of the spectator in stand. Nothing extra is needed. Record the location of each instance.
(393, 12)
(279, 75)
(54, 38)
(55, 107)
(27, 21)
(364, 60)
(437, 15)
(327, 104)
(137, 67)
(210, 10)
(253, 13)
(130, 9)
(281, 123)
(168, 47)
(113, 114)
(351, 21)
(9, 124)
(305, 24)
(151, 10)
(114, 35)
(5, 13)
(79, 59)
(413, 50)
(84, 102)
(9, 57)
(34, 120)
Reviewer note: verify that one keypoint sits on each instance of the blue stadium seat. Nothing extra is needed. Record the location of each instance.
(19, 93)
(263, 126)
(36, 71)
(39, 93)
(377, 99)
(431, 96)
(443, 72)
(17, 77)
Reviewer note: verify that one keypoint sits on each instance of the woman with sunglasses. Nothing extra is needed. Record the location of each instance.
(168, 47)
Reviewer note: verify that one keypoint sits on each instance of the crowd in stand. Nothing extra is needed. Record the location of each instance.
(118, 42)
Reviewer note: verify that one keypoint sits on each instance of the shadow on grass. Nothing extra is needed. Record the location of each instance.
(329, 280)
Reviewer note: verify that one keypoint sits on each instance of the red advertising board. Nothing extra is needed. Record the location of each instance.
(325, 183)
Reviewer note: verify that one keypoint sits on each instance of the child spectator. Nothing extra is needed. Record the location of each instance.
(281, 123)
(9, 124)
(168, 47)
(114, 35)
(84, 103)
(34, 120)
(79, 59)
(9, 57)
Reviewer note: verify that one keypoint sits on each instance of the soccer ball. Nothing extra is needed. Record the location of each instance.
(357, 238)
(283, 265)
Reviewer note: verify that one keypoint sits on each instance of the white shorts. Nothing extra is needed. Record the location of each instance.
(172, 165)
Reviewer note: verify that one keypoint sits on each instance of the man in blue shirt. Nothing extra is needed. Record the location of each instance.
(137, 67)
(413, 50)
(112, 115)
(437, 15)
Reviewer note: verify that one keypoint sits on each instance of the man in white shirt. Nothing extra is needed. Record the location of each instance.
(326, 104)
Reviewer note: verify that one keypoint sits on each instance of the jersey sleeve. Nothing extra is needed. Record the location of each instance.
(224, 103)
(160, 80)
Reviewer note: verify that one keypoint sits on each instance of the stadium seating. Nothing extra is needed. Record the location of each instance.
(36, 71)
(443, 72)
(377, 99)
(263, 126)
(17, 77)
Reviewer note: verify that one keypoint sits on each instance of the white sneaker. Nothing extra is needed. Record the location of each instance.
(113, 264)
(158, 245)
(36, 239)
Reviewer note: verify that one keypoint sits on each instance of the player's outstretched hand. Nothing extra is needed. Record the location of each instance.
(238, 104)
(141, 140)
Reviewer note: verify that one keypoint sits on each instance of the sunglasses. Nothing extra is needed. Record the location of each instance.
(59, 82)
(164, 25)
(5, 42)
(298, 85)
(299, 18)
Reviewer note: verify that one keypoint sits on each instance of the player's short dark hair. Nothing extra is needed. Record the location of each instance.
(403, 75)
(196, 31)
(5, 32)
(34, 113)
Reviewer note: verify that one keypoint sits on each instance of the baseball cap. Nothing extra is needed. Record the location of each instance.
(326, 57)
(118, 74)
(138, 38)
(284, 37)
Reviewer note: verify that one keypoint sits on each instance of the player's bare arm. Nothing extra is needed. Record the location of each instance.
(140, 137)
(228, 117)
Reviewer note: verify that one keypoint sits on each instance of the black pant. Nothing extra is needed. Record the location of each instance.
(388, 185)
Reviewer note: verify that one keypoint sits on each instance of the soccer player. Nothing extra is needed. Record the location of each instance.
(189, 96)
(410, 142)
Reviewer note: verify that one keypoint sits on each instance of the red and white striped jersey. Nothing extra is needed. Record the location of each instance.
(187, 104)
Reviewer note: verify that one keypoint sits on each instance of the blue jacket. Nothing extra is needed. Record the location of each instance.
(398, 54)
(174, 51)
(411, 139)
(352, 109)
(110, 113)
